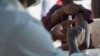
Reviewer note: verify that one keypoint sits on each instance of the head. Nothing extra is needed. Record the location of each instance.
(65, 2)
(27, 3)
(71, 8)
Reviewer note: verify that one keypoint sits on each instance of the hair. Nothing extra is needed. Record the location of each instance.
(27, 2)
(65, 2)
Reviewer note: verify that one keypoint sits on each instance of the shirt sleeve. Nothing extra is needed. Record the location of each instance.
(46, 20)
(76, 54)
(86, 13)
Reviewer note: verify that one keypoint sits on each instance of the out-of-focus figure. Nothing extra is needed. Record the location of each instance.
(59, 13)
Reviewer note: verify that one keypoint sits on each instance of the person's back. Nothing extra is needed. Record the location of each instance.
(11, 20)
(13, 23)
(18, 33)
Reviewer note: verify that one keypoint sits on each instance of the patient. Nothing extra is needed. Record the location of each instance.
(57, 17)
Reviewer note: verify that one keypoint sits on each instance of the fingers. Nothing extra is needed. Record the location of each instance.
(57, 32)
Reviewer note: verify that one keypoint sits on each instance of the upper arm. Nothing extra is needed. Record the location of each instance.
(80, 21)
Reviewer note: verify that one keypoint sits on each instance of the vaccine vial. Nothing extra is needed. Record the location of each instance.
(70, 17)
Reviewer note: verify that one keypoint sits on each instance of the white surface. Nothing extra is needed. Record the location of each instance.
(35, 11)
(85, 3)
(95, 31)
(41, 9)
(93, 52)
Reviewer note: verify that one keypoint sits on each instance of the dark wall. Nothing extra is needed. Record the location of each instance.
(95, 4)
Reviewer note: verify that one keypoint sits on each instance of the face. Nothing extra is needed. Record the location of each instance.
(70, 8)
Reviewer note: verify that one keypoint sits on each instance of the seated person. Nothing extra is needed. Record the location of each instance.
(59, 14)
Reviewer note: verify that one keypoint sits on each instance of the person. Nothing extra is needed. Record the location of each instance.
(59, 13)
(22, 35)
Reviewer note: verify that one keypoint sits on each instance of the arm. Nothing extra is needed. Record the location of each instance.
(58, 31)
(73, 33)
(80, 21)
(52, 16)
(56, 15)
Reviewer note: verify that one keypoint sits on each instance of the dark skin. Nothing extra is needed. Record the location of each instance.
(73, 47)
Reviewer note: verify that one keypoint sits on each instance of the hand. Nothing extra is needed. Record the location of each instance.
(56, 32)
(70, 8)
(58, 12)
(56, 15)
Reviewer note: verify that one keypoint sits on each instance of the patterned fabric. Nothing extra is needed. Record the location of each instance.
(47, 19)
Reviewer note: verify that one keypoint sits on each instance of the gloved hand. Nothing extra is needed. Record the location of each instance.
(75, 38)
